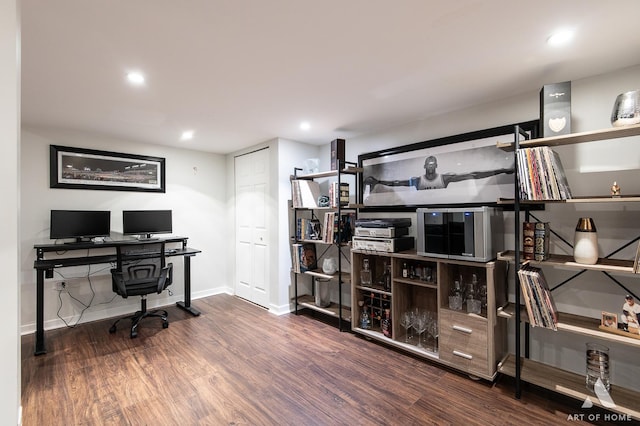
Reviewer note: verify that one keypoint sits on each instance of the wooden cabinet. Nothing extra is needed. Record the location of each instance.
(540, 374)
(470, 342)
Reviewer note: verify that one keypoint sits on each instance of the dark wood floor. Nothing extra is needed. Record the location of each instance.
(236, 364)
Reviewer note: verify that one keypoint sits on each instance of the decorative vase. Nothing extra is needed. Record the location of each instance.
(585, 243)
(329, 266)
(626, 109)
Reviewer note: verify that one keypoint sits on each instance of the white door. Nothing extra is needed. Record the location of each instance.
(252, 233)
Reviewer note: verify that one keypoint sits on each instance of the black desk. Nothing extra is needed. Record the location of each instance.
(43, 266)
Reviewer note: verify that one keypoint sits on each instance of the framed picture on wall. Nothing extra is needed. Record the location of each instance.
(78, 168)
(463, 169)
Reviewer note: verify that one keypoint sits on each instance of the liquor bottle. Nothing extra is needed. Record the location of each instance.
(405, 271)
(386, 323)
(455, 296)
(365, 274)
(365, 321)
(386, 278)
(473, 300)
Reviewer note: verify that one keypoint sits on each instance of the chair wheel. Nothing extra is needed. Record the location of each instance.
(165, 325)
(112, 329)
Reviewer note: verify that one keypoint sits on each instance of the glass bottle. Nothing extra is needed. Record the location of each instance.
(455, 296)
(474, 305)
(386, 323)
(365, 320)
(386, 278)
(365, 274)
(405, 271)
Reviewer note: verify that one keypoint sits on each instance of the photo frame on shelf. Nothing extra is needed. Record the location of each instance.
(609, 320)
(462, 169)
(79, 168)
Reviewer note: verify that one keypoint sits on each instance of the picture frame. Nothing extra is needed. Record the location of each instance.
(471, 170)
(79, 168)
(609, 320)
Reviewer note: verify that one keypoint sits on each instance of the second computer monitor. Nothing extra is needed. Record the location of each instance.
(146, 223)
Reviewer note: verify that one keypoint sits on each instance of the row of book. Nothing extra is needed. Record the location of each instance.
(541, 175)
(338, 228)
(303, 257)
(535, 240)
(305, 193)
(537, 298)
(308, 229)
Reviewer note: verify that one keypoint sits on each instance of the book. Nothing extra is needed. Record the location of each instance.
(303, 256)
(528, 240)
(541, 175)
(539, 302)
(541, 235)
(305, 193)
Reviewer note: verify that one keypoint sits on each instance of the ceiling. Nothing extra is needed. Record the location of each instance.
(241, 72)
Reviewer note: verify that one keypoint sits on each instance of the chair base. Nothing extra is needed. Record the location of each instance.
(138, 316)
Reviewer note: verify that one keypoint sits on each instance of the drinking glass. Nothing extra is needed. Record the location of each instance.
(406, 321)
(420, 325)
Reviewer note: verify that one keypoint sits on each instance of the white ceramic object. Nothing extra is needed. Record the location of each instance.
(585, 243)
(626, 109)
(329, 266)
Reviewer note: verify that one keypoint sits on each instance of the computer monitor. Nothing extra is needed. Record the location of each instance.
(146, 223)
(82, 225)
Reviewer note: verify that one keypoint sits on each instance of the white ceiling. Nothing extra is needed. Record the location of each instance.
(240, 72)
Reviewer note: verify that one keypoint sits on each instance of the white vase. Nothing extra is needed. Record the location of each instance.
(329, 266)
(585, 242)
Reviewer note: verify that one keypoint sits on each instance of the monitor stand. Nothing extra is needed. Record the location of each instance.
(146, 237)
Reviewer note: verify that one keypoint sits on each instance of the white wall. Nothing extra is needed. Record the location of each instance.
(9, 223)
(195, 192)
(591, 169)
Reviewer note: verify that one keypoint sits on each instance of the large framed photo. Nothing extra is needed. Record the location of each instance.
(78, 168)
(464, 169)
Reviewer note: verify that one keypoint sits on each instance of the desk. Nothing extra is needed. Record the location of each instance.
(46, 266)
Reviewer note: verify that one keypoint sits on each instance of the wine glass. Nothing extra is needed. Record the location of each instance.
(420, 325)
(432, 330)
(406, 321)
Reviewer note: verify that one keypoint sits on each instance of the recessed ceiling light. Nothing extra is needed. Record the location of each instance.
(305, 125)
(187, 135)
(135, 78)
(559, 38)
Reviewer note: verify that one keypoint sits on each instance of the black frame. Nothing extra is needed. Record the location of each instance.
(116, 178)
(505, 132)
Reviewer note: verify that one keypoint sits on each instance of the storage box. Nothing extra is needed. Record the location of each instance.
(337, 153)
(555, 109)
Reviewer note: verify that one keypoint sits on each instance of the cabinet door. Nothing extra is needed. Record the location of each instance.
(463, 341)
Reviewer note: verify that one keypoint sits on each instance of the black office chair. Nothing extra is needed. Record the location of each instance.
(141, 270)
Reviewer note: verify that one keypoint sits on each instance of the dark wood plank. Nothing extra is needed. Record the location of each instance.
(238, 364)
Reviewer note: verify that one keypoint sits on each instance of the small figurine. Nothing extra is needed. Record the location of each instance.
(631, 315)
(615, 190)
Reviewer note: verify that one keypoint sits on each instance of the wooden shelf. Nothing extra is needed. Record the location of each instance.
(377, 335)
(576, 324)
(576, 200)
(419, 283)
(329, 173)
(346, 276)
(566, 261)
(308, 301)
(574, 138)
(570, 384)
(374, 290)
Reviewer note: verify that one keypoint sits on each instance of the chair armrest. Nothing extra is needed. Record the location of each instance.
(118, 283)
(166, 277)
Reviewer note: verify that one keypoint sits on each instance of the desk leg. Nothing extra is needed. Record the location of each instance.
(186, 305)
(40, 350)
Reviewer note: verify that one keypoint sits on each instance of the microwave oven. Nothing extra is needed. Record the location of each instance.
(473, 233)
